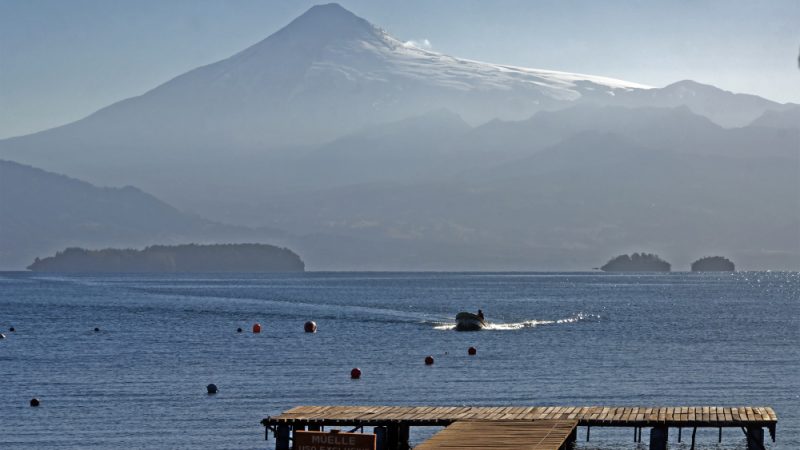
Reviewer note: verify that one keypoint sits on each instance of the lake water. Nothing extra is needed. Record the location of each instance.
(558, 339)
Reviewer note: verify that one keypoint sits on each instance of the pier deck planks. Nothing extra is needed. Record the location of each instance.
(502, 435)
(703, 416)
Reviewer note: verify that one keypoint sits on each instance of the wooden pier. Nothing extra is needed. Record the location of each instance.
(391, 423)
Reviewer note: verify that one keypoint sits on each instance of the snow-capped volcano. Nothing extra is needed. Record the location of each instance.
(332, 40)
(330, 51)
(327, 73)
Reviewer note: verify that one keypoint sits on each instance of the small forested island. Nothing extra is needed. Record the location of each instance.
(713, 264)
(170, 259)
(637, 262)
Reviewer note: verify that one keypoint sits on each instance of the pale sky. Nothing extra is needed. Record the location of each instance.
(61, 60)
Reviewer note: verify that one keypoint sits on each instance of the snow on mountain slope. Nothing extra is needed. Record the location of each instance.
(330, 40)
(325, 74)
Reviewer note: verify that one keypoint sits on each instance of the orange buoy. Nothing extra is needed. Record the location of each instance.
(256, 328)
(428, 360)
(355, 373)
(472, 351)
(310, 327)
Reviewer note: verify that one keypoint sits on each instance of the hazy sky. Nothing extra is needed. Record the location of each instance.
(60, 60)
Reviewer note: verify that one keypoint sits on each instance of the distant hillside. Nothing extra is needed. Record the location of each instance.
(723, 107)
(180, 258)
(41, 212)
(567, 205)
(787, 119)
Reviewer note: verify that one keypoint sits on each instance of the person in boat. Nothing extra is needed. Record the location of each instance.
(480, 314)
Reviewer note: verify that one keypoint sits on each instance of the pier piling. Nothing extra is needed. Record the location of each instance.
(658, 438)
(282, 437)
(755, 438)
(381, 436)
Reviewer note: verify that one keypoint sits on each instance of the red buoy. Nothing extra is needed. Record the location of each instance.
(472, 351)
(428, 360)
(256, 328)
(355, 373)
(310, 327)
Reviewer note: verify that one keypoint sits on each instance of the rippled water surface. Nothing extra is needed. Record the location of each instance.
(556, 339)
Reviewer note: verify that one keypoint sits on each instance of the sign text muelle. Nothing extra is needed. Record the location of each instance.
(320, 440)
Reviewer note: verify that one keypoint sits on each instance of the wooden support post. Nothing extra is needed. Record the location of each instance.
(755, 438)
(720, 434)
(588, 432)
(392, 437)
(694, 433)
(282, 437)
(403, 433)
(380, 438)
(658, 437)
(680, 433)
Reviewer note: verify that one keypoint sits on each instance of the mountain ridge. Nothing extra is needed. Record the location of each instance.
(41, 212)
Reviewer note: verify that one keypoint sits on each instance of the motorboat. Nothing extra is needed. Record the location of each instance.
(467, 321)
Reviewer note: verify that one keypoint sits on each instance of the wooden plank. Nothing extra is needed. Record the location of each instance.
(501, 435)
(528, 413)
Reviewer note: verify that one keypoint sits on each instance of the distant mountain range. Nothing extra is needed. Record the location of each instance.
(380, 155)
(42, 212)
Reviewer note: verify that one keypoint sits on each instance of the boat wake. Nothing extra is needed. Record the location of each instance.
(502, 326)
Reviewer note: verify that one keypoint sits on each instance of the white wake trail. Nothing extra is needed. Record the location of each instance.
(501, 326)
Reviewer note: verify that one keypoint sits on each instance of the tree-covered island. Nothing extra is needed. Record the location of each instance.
(170, 259)
(637, 262)
(713, 264)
